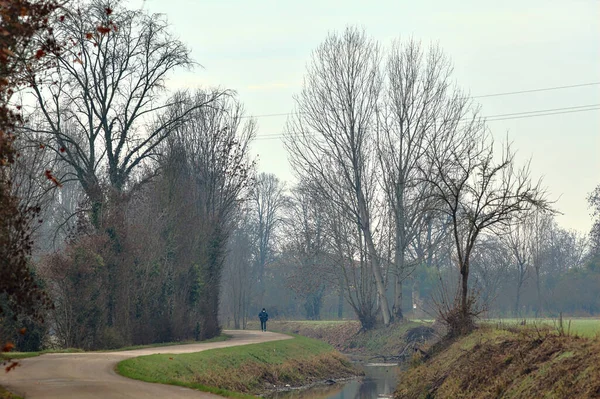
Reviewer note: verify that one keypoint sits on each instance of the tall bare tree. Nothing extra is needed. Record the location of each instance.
(415, 98)
(268, 198)
(331, 136)
(100, 106)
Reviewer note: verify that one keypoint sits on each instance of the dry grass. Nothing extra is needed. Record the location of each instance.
(494, 363)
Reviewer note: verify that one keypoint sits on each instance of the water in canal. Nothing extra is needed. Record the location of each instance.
(378, 382)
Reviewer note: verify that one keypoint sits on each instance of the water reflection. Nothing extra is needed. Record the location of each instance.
(378, 382)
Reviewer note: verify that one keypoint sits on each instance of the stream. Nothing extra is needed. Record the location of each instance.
(379, 381)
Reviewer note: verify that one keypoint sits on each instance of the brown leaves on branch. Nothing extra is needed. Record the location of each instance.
(52, 178)
(25, 40)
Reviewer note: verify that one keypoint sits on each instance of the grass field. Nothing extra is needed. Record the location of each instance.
(243, 370)
(585, 327)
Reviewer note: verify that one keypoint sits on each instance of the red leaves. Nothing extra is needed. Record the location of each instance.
(11, 366)
(62, 149)
(8, 347)
(103, 30)
(108, 10)
(89, 36)
(22, 331)
(39, 54)
(51, 177)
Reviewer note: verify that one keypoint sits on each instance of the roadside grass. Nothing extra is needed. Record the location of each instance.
(241, 371)
(24, 355)
(507, 363)
(4, 394)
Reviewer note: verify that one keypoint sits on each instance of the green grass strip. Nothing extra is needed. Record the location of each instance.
(4, 394)
(190, 368)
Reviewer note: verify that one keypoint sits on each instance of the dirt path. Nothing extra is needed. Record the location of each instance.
(92, 375)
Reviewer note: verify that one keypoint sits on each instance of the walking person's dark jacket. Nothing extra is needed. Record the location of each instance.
(263, 316)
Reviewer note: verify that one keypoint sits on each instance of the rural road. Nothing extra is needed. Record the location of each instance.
(92, 375)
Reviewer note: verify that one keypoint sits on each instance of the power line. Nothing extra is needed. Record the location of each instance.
(500, 117)
(544, 110)
(480, 96)
(536, 90)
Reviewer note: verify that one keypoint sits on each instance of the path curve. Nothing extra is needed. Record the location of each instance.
(92, 375)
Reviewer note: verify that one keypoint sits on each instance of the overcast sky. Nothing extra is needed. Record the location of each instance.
(261, 48)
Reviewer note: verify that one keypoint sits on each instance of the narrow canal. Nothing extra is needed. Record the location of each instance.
(379, 381)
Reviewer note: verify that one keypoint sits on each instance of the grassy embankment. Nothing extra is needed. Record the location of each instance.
(346, 337)
(243, 370)
(510, 362)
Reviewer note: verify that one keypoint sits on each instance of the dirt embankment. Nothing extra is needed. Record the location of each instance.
(493, 363)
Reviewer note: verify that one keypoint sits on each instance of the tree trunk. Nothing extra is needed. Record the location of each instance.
(518, 300)
(538, 311)
(340, 308)
(376, 267)
(397, 313)
(464, 300)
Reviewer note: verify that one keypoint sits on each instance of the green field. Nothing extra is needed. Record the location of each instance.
(586, 327)
(243, 370)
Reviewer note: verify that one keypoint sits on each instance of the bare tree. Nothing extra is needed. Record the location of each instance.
(239, 274)
(415, 98)
(307, 250)
(101, 104)
(542, 224)
(268, 198)
(331, 136)
(519, 240)
(594, 203)
(476, 192)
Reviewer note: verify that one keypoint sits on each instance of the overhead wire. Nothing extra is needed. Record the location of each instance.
(478, 96)
(492, 118)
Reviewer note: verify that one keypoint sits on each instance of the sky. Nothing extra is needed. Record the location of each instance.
(261, 49)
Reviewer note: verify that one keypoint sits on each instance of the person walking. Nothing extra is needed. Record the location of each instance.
(263, 316)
